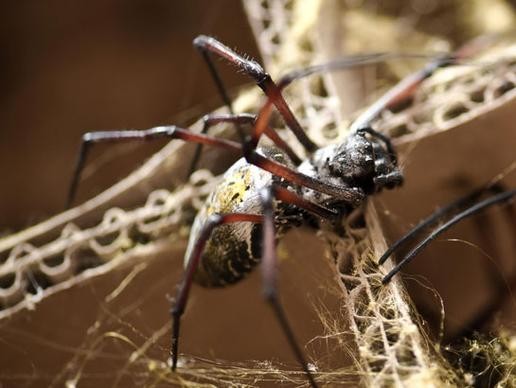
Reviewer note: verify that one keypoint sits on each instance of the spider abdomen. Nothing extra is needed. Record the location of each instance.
(234, 249)
(229, 256)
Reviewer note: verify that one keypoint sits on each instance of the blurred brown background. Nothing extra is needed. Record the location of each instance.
(71, 67)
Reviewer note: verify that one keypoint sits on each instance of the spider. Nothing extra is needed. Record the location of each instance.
(271, 189)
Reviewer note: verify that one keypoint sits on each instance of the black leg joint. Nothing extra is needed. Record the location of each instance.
(256, 72)
(264, 81)
(249, 152)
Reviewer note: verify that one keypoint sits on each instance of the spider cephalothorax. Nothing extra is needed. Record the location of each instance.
(367, 161)
(364, 161)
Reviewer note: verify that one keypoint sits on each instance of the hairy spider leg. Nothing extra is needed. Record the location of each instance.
(399, 93)
(246, 118)
(168, 132)
(208, 45)
(495, 199)
(268, 262)
(210, 120)
(443, 212)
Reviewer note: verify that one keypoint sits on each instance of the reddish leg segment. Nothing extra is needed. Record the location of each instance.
(168, 132)
(208, 45)
(407, 86)
(240, 120)
(268, 263)
(353, 196)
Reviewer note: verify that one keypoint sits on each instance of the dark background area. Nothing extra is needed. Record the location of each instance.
(68, 68)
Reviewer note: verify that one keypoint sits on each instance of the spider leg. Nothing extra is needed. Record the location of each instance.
(482, 317)
(290, 197)
(347, 62)
(169, 132)
(269, 275)
(408, 85)
(214, 73)
(351, 195)
(495, 199)
(439, 214)
(215, 220)
(208, 45)
(273, 92)
(240, 119)
(400, 92)
(193, 262)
